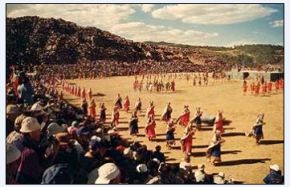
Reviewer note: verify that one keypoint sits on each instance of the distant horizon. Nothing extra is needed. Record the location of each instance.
(158, 23)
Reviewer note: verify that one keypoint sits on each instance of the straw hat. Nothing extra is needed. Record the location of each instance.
(29, 124)
(54, 128)
(275, 167)
(107, 172)
(12, 109)
(12, 153)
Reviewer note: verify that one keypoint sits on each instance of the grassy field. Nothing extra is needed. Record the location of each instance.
(242, 159)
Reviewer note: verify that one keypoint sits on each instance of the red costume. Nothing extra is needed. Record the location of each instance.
(127, 104)
(150, 129)
(150, 111)
(92, 109)
(115, 117)
(186, 142)
(184, 118)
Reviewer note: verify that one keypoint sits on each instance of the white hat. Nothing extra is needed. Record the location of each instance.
(29, 124)
(96, 138)
(275, 167)
(36, 107)
(107, 172)
(201, 167)
(12, 109)
(141, 168)
(99, 130)
(54, 128)
(199, 176)
(127, 151)
(12, 153)
(156, 160)
(221, 174)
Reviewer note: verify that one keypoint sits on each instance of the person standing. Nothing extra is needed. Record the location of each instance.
(213, 152)
(127, 104)
(183, 119)
(170, 139)
(166, 116)
(257, 129)
(115, 116)
(218, 123)
(119, 101)
(133, 124)
(150, 110)
(150, 128)
(92, 109)
(186, 140)
(197, 118)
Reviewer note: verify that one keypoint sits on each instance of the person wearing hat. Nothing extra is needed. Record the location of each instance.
(138, 105)
(108, 173)
(84, 106)
(257, 129)
(213, 152)
(219, 178)
(30, 156)
(185, 164)
(183, 119)
(53, 128)
(92, 109)
(118, 101)
(200, 175)
(166, 116)
(102, 113)
(170, 139)
(150, 128)
(60, 173)
(127, 104)
(12, 111)
(197, 118)
(133, 125)
(12, 162)
(186, 140)
(16, 137)
(141, 175)
(115, 116)
(150, 110)
(218, 123)
(274, 176)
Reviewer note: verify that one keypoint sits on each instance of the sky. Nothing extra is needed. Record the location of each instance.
(192, 24)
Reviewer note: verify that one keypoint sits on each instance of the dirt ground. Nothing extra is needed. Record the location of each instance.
(243, 160)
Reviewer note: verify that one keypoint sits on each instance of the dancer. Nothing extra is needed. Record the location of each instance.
(245, 87)
(150, 128)
(115, 117)
(133, 124)
(150, 110)
(186, 139)
(170, 140)
(213, 152)
(166, 116)
(138, 105)
(257, 129)
(90, 93)
(118, 101)
(127, 104)
(219, 122)
(183, 119)
(197, 118)
(102, 114)
(92, 109)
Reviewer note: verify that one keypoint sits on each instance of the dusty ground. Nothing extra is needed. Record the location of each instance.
(243, 160)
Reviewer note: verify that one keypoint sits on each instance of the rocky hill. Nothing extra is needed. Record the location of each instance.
(56, 41)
